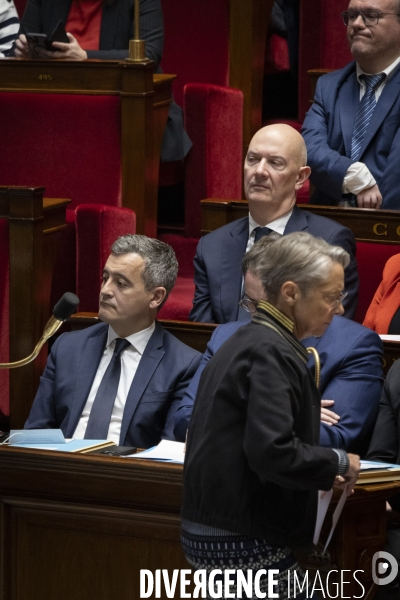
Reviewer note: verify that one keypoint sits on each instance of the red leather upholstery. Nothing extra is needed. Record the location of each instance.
(213, 119)
(371, 260)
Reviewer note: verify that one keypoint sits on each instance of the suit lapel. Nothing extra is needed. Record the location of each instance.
(297, 222)
(386, 100)
(152, 355)
(233, 250)
(348, 101)
(91, 356)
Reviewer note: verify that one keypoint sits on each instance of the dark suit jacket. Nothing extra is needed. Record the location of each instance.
(385, 443)
(351, 375)
(328, 128)
(218, 265)
(162, 376)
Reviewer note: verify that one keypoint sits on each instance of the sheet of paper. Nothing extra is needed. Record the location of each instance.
(36, 436)
(336, 515)
(324, 499)
(390, 338)
(367, 465)
(166, 451)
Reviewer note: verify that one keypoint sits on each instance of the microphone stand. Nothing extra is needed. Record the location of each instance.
(137, 47)
(64, 308)
(52, 326)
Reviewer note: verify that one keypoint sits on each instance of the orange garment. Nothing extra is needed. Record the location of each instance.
(387, 298)
(84, 22)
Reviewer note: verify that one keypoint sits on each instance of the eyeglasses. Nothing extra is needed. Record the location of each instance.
(248, 304)
(334, 301)
(370, 17)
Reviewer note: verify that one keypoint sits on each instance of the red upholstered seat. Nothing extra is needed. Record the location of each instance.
(213, 118)
(4, 319)
(371, 260)
(276, 55)
(196, 44)
(197, 50)
(71, 145)
(97, 227)
(179, 302)
(322, 44)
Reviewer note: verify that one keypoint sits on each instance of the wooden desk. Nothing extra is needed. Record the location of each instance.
(367, 224)
(145, 100)
(81, 527)
(35, 226)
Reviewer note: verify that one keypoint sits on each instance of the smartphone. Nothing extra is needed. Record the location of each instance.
(117, 451)
(39, 41)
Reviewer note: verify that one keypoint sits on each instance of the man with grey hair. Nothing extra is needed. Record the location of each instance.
(350, 355)
(124, 378)
(275, 168)
(352, 129)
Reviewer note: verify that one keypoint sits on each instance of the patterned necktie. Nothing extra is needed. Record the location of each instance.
(100, 415)
(261, 232)
(364, 112)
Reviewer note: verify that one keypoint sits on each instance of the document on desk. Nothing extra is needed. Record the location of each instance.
(166, 451)
(52, 439)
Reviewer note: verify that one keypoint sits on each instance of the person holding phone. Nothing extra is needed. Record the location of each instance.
(102, 29)
(95, 28)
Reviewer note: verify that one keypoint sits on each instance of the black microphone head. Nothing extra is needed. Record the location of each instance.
(66, 306)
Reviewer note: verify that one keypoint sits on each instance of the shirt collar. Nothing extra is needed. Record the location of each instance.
(278, 225)
(138, 340)
(389, 71)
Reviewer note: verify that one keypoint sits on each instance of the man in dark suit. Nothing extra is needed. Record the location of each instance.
(79, 391)
(352, 129)
(275, 169)
(351, 370)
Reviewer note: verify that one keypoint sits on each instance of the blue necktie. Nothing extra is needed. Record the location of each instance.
(100, 415)
(364, 112)
(261, 232)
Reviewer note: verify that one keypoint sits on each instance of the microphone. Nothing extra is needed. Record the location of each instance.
(62, 311)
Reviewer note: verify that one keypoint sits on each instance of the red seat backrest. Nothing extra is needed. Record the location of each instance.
(196, 44)
(371, 259)
(69, 143)
(322, 44)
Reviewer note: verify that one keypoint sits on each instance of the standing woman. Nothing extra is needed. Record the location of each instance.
(253, 466)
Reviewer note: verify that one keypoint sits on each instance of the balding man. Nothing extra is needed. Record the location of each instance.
(352, 130)
(275, 169)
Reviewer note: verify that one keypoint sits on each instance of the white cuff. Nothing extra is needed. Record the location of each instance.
(357, 179)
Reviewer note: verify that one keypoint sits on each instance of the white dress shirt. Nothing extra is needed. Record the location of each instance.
(358, 177)
(278, 226)
(130, 359)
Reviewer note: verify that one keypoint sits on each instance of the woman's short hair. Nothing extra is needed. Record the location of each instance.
(298, 257)
(160, 264)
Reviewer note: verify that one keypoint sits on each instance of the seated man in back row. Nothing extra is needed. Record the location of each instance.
(122, 379)
(351, 368)
(275, 168)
